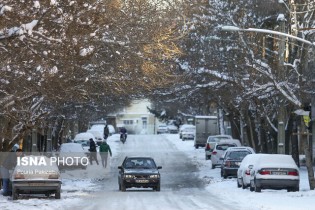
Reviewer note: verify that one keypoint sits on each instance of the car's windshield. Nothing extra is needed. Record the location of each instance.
(237, 155)
(143, 163)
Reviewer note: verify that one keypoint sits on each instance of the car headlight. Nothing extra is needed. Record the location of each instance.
(156, 176)
(128, 176)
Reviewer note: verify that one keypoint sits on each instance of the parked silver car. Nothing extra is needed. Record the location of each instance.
(72, 151)
(183, 127)
(274, 171)
(211, 141)
(188, 133)
(29, 178)
(162, 129)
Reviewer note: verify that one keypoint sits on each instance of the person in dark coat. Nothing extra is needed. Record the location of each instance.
(9, 164)
(123, 131)
(106, 132)
(104, 150)
(93, 154)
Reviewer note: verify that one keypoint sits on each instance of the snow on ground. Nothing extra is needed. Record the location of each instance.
(74, 190)
(228, 191)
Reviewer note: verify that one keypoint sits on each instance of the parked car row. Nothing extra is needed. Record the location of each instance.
(166, 129)
(256, 171)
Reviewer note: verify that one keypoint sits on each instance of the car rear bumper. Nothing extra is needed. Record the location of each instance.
(230, 171)
(277, 183)
(36, 187)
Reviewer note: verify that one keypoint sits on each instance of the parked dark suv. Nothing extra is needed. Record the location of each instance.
(140, 172)
(232, 159)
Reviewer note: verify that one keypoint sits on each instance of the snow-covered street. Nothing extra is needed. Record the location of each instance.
(188, 182)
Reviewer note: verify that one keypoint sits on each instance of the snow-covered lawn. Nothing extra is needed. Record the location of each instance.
(228, 191)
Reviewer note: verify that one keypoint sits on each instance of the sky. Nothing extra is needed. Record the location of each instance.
(73, 191)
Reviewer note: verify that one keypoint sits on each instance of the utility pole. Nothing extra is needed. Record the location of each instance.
(281, 113)
(313, 120)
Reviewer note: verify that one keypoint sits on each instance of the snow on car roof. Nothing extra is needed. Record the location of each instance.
(276, 160)
(71, 147)
(84, 136)
(98, 127)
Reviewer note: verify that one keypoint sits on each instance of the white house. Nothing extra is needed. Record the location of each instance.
(136, 118)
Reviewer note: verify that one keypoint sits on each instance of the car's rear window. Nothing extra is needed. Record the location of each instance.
(237, 155)
(224, 146)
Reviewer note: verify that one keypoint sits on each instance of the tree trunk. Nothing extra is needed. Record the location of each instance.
(308, 158)
(295, 144)
(251, 132)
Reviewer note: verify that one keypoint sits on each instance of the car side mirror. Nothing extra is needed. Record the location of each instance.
(119, 167)
(159, 167)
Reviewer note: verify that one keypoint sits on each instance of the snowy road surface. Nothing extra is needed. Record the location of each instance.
(181, 187)
(188, 183)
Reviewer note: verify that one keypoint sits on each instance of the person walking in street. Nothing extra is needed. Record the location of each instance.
(123, 131)
(9, 164)
(93, 154)
(104, 150)
(106, 132)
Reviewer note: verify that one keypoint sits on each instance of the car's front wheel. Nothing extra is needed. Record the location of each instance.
(15, 194)
(243, 185)
(122, 187)
(238, 183)
(251, 188)
(158, 187)
(257, 189)
(58, 194)
(224, 175)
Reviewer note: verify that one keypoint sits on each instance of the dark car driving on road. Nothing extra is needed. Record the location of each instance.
(140, 172)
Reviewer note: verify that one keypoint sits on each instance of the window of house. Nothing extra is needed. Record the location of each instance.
(128, 122)
(144, 123)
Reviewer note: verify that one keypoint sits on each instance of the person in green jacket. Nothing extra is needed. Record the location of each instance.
(104, 150)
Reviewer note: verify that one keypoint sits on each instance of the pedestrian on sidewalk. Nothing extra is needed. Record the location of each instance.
(93, 154)
(9, 164)
(104, 150)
